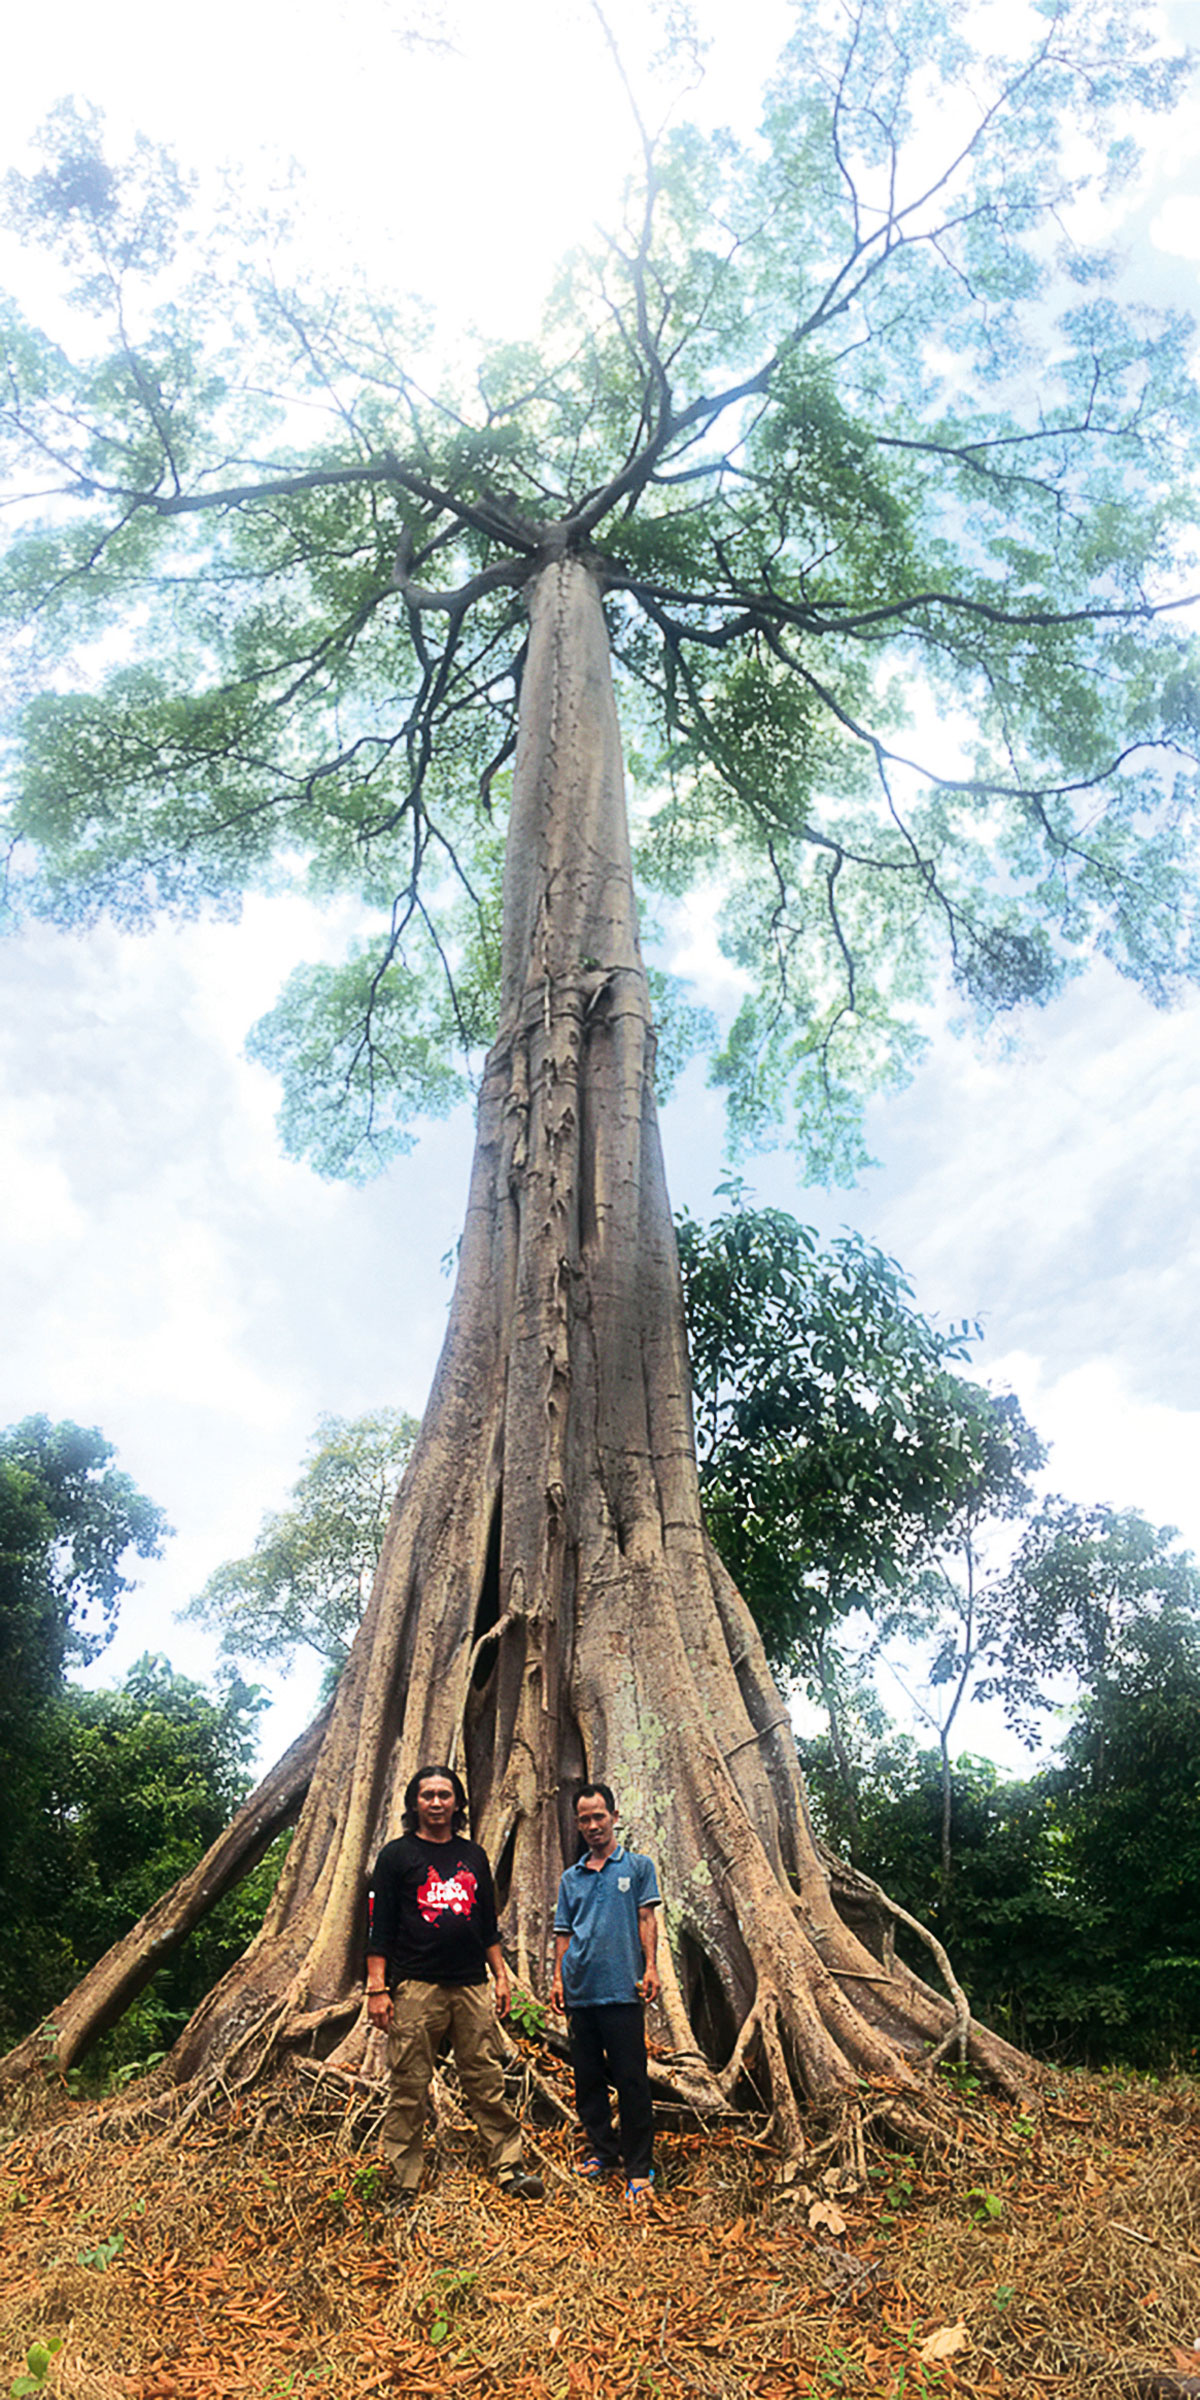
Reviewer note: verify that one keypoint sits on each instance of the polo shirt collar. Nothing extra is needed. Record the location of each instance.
(614, 1854)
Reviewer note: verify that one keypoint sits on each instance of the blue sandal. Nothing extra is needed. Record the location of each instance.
(593, 2169)
(641, 2192)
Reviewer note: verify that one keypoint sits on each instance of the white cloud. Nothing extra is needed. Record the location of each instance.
(1108, 1445)
(1176, 228)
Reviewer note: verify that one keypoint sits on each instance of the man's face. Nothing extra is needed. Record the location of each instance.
(435, 1807)
(596, 1822)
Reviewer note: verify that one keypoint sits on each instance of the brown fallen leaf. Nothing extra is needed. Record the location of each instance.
(826, 2217)
(945, 2343)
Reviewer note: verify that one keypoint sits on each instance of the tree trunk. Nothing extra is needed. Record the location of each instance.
(547, 1604)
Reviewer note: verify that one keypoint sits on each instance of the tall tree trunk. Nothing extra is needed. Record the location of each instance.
(547, 1603)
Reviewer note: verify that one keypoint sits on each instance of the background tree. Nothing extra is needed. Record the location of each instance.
(1083, 1582)
(1071, 1911)
(824, 420)
(309, 1576)
(954, 1605)
(1042, 1626)
(132, 1785)
(1129, 1796)
(1021, 1928)
(69, 1520)
(841, 1454)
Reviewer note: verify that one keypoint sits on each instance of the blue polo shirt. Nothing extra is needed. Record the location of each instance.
(598, 1907)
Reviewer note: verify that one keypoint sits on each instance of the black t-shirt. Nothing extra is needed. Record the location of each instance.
(432, 1910)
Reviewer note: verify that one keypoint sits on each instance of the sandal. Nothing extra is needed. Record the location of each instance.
(640, 2193)
(593, 2169)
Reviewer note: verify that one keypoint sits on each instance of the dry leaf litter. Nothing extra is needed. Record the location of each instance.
(254, 2253)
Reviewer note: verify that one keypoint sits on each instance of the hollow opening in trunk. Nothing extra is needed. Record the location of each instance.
(502, 1871)
(712, 2018)
(487, 1612)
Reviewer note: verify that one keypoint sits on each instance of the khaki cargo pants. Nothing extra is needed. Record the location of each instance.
(422, 2015)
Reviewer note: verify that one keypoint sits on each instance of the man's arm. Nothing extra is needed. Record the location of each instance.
(648, 1937)
(561, 1943)
(379, 1999)
(495, 1959)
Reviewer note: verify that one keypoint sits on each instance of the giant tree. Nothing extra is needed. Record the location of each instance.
(844, 454)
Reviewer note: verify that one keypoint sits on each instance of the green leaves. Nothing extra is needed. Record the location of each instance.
(890, 492)
(363, 1051)
(836, 1442)
(68, 1520)
(39, 2358)
(1096, 1594)
(309, 1576)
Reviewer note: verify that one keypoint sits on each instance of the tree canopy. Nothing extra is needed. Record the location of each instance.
(124, 1789)
(887, 483)
(309, 1576)
(68, 1520)
(838, 1442)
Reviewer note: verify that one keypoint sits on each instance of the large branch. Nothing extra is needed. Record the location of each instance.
(758, 608)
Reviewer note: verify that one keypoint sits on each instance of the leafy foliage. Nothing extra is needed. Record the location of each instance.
(107, 1796)
(68, 1520)
(1019, 1927)
(888, 490)
(132, 1784)
(1071, 1917)
(1071, 1914)
(837, 1442)
(1087, 1589)
(1129, 1789)
(309, 1576)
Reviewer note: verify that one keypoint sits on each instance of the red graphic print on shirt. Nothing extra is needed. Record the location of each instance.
(452, 1895)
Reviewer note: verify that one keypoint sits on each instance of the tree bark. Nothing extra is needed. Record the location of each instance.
(547, 1604)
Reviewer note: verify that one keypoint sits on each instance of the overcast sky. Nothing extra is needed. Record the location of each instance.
(168, 1275)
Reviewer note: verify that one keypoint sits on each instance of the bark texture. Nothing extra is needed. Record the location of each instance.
(547, 1604)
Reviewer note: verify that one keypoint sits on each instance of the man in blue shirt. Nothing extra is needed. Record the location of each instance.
(605, 1946)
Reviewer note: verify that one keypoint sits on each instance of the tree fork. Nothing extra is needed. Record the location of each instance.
(547, 1603)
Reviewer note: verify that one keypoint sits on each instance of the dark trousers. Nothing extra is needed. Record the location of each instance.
(608, 2045)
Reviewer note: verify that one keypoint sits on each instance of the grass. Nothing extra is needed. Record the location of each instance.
(254, 2253)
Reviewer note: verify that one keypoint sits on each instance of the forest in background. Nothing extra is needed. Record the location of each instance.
(878, 1507)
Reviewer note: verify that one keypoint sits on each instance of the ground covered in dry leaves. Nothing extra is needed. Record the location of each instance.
(253, 2253)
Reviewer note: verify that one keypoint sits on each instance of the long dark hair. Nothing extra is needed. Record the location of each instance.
(457, 1821)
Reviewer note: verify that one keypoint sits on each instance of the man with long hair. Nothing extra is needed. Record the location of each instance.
(432, 1937)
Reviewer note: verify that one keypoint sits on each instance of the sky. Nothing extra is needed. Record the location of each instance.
(167, 1273)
